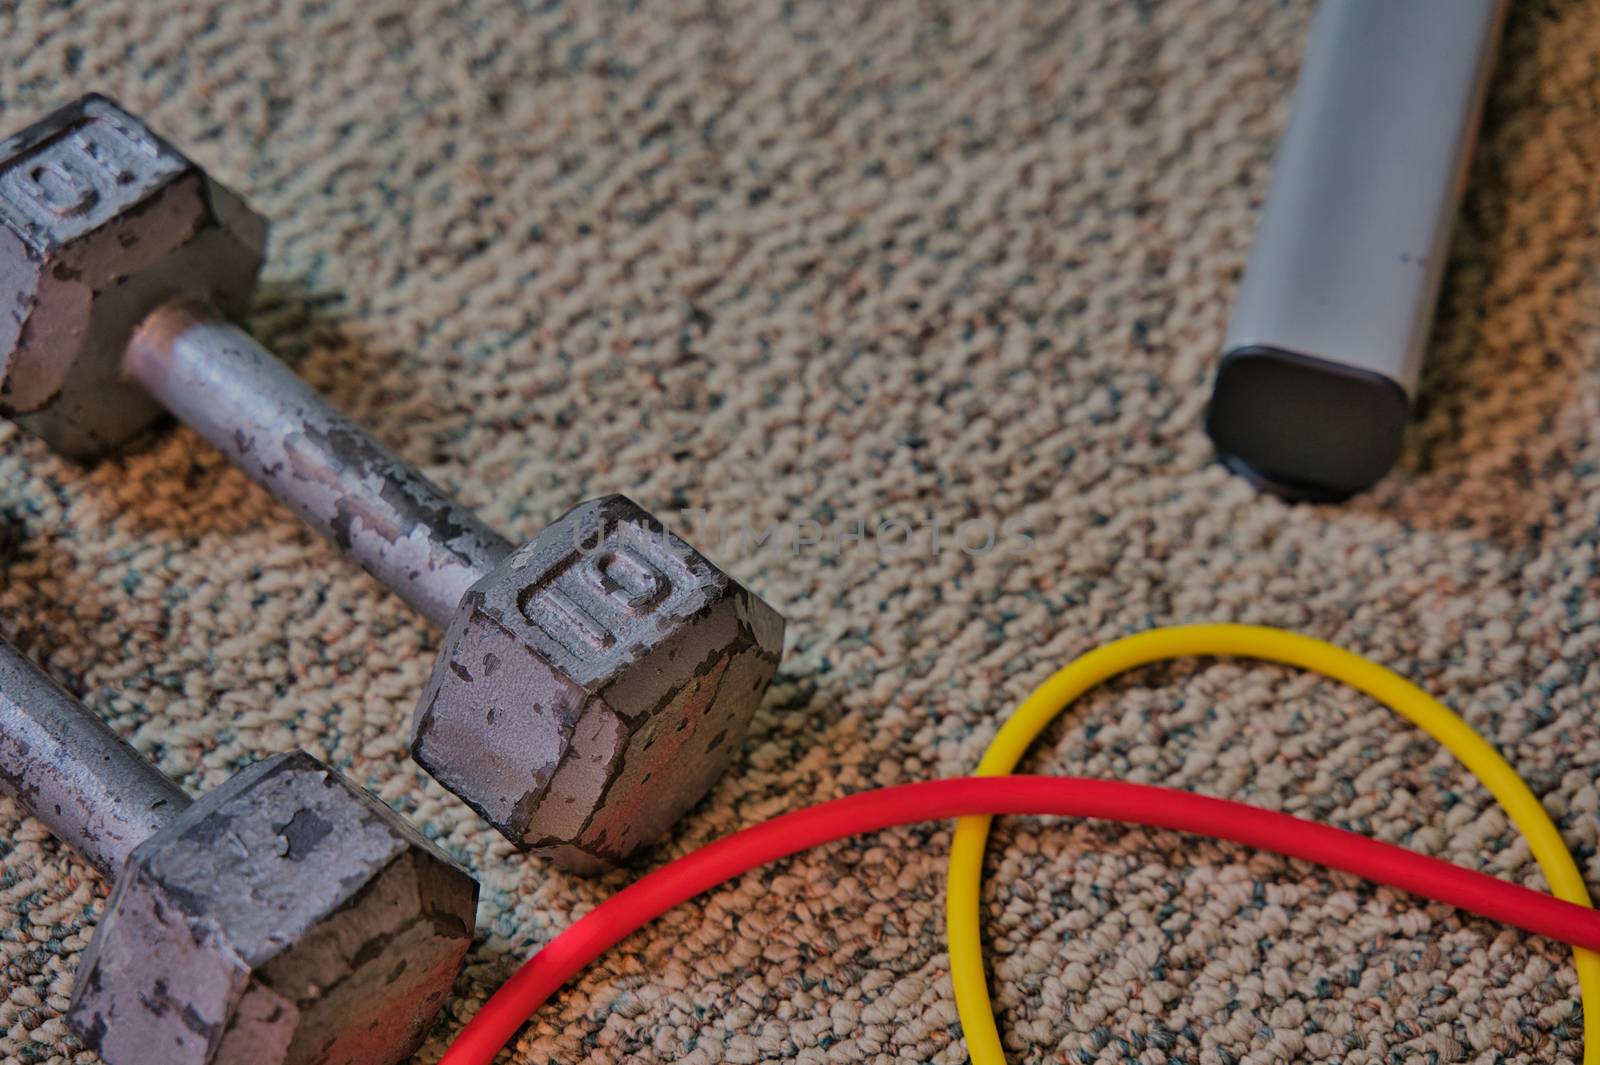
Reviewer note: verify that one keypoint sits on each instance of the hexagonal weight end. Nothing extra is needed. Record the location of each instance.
(286, 917)
(595, 685)
(101, 221)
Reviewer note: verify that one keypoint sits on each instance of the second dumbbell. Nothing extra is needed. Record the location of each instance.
(286, 917)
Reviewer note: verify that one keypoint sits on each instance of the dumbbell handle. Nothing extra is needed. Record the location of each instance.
(380, 511)
(75, 774)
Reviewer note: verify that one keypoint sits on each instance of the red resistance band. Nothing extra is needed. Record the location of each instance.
(869, 811)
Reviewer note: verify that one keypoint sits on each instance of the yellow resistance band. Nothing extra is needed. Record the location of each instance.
(1272, 645)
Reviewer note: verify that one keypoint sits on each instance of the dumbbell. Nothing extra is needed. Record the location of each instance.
(286, 917)
(593, 683)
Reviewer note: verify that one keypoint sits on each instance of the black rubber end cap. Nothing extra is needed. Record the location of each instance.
(1304, 428)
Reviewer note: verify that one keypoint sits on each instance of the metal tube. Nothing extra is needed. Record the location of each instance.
(75, 774)
(1323, 355)
(380, 511)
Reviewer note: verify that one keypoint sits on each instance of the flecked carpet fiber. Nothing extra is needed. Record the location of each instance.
(889, 267)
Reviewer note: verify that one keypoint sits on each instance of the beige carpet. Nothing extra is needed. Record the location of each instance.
(893, 260)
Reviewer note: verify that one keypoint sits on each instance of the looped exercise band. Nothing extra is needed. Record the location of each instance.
(650, 896)
(977, 800)
(1272, 645)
